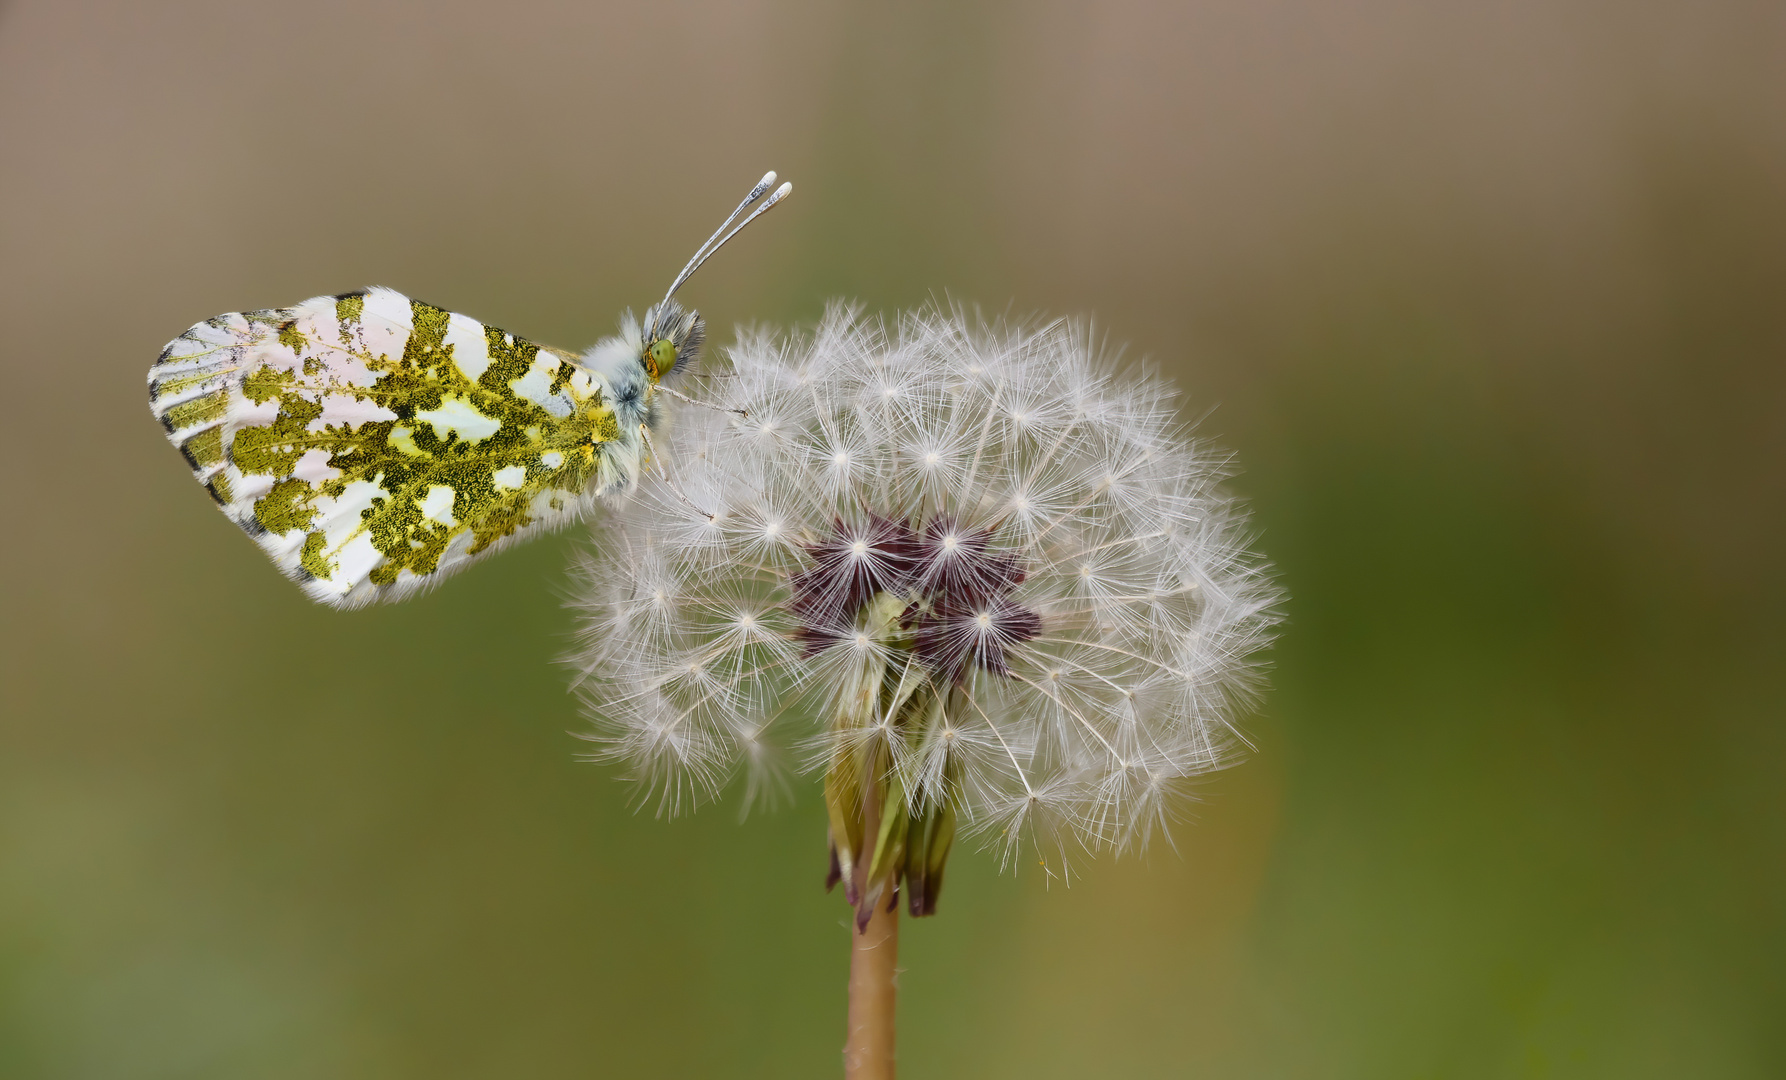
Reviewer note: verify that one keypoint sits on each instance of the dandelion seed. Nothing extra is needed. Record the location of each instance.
(973, 575)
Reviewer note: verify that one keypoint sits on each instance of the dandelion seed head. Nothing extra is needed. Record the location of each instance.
(1007, 561)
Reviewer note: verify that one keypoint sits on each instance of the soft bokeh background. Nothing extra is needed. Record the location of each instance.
(1489, 298)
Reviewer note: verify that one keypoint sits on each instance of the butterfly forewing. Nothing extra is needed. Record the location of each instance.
(373, 444)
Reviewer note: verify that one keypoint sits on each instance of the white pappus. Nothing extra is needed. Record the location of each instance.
(974, 574)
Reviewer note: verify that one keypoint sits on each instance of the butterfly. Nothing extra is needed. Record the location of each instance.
(372, 444)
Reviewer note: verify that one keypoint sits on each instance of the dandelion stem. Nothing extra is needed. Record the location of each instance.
(874, 952)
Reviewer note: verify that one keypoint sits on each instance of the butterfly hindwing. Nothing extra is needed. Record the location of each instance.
(373, 444)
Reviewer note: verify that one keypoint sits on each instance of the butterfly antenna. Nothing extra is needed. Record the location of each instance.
(755, 194)
(768, 204)
(720, 236)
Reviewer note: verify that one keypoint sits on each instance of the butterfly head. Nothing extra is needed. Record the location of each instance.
(672, 335)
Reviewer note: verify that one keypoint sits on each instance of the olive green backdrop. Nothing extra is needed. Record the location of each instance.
(1490, 299)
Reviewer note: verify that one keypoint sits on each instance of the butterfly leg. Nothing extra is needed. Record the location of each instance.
(679, 396)
(645, 433)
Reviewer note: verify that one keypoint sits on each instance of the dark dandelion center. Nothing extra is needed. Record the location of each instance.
(957, 586)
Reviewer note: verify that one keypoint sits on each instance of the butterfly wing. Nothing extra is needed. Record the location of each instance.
(372, 444)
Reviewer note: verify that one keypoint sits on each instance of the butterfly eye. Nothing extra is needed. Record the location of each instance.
(663, 356)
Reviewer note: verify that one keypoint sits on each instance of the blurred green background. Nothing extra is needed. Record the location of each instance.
(1490, 299)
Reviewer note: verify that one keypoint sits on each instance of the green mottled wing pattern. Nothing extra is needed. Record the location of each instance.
(373, 444)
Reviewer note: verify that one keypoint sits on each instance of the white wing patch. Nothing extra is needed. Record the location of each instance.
(459, 416)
